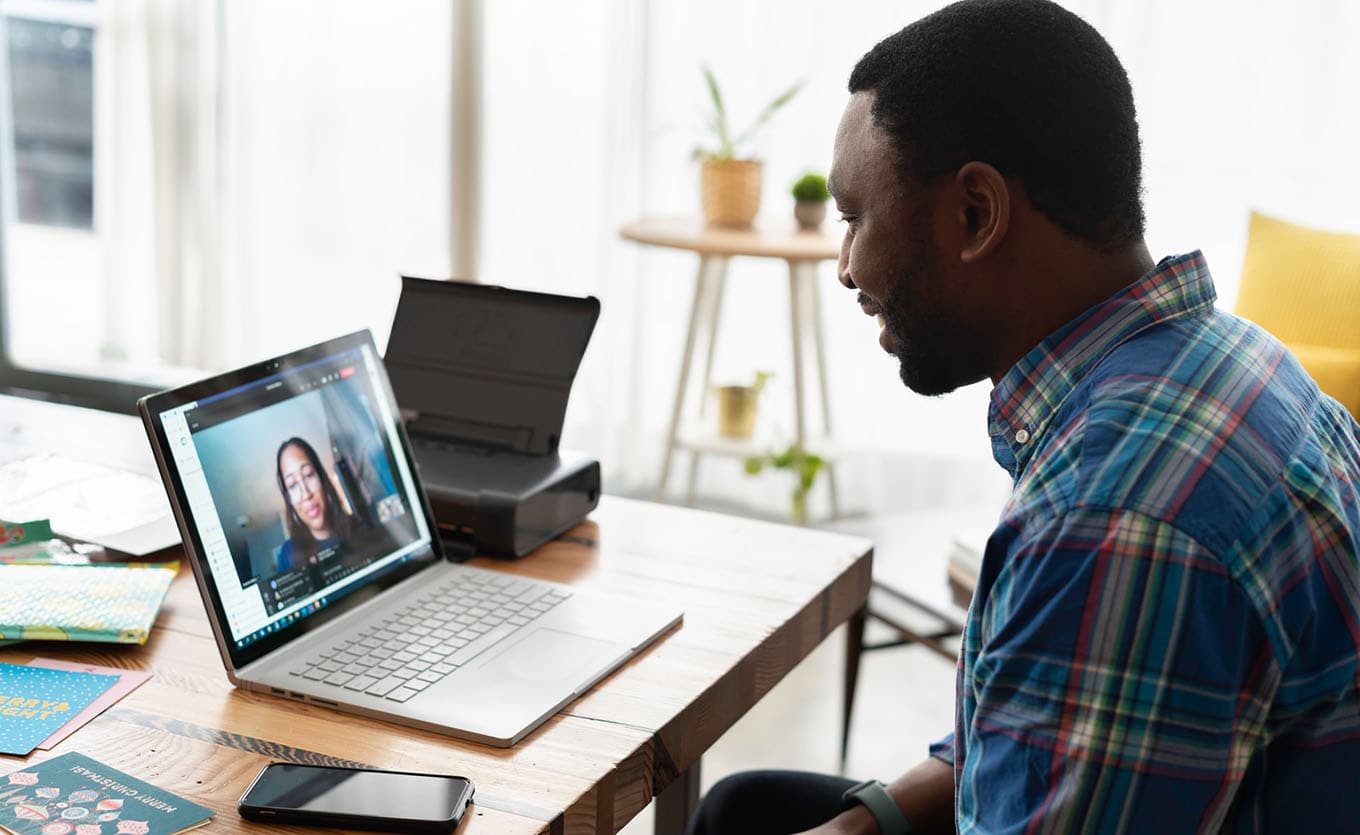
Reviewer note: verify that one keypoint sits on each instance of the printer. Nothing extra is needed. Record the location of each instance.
(482, 375)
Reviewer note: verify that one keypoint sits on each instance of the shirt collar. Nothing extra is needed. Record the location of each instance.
(1026, 399)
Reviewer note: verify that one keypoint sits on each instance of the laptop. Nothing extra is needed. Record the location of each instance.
(320, 564)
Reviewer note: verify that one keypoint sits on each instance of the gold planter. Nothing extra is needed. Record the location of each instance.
(729, 190)
(737, 411)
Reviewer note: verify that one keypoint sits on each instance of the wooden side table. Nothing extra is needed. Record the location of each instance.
(802, 251)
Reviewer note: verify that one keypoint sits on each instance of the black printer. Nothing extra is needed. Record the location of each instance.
(482, 375)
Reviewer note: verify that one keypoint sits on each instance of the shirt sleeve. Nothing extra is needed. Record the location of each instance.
(944, 750)
(1120, 684)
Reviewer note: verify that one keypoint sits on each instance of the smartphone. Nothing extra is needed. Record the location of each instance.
(356, 798)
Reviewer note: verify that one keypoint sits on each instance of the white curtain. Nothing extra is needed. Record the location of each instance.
(157, 195)
(591, 110)
(336, 158)
(266, 172)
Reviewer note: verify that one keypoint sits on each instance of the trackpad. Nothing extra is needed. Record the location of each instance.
(548, 656)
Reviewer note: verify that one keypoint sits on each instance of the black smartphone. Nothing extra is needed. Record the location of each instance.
(356, 798)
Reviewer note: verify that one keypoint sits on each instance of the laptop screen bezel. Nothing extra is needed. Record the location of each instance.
(152, 407)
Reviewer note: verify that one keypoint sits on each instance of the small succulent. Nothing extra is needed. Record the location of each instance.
(811, 188)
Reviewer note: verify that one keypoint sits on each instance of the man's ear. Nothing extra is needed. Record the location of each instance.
(985, 210)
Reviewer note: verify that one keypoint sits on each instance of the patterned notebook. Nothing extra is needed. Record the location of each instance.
(112, 603)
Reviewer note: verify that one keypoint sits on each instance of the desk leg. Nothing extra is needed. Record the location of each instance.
(854, 648)
(677, 802)
(695, 314)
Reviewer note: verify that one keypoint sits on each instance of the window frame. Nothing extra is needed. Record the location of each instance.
(104, 393)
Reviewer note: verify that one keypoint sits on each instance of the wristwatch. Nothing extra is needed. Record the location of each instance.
(873, 796)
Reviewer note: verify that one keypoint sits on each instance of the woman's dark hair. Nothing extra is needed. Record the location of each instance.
(336, 518)
(1027, 87)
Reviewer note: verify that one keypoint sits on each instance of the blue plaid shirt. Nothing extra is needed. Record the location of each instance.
(1166, 628)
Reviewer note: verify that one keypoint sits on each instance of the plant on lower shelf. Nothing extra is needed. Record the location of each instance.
(803, 464)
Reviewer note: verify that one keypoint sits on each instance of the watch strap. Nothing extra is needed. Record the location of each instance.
(873, 796)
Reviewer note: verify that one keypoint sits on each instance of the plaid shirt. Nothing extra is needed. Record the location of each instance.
(1166, 631)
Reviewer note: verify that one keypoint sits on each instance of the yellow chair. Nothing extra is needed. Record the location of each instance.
(1303, 285)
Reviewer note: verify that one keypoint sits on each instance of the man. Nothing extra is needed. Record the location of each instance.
(1166, 629)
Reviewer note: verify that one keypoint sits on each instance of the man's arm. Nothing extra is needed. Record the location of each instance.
(925, 795)
(1119, 680)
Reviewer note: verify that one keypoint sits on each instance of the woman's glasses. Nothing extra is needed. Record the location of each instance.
(307, 480)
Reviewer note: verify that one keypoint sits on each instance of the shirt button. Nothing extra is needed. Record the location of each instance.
(1022, 436)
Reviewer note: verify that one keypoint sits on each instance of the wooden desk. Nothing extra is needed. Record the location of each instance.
(757, 599)
(802, 251)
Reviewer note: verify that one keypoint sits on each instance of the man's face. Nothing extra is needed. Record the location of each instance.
(893, 256)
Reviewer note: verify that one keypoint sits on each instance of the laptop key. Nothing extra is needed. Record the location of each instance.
(328, 666)
(531, 594)
(361, 683)
(339, 678)
(518, 620)
(443, 669)
(430, 675)
(417, 685)
(404, 673)
(401, 694)
(390, 664)
(315, 674)
(384, 687)
(475, 648)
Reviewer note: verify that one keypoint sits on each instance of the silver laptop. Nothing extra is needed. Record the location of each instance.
(321, 568)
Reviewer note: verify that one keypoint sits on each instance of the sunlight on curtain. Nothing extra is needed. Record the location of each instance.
(336, 166)
(592, 108)
(260, 175)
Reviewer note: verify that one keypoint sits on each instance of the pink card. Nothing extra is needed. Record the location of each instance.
(128, 680)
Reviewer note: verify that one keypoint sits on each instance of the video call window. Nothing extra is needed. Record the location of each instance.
(304, 482)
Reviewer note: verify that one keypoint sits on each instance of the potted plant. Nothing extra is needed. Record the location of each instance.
(729, 184)
(810, 196)
(737, 407)
(803, 464)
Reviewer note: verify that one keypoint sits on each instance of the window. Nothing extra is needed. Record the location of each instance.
(50, 289)
(187, 187)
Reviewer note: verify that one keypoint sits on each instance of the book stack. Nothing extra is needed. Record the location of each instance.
(47, 594)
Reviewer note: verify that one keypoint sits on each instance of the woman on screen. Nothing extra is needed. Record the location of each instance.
(316, 521)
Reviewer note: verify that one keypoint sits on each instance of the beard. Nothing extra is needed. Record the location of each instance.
(922, 355)
(936, 349)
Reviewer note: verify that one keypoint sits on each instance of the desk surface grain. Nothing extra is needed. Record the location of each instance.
(757, 599)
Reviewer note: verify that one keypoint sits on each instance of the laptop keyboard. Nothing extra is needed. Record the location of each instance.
(443, 629)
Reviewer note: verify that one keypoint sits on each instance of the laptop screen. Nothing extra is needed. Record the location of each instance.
(297, 485)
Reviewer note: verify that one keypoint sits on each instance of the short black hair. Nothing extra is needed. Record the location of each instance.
(1027, 87)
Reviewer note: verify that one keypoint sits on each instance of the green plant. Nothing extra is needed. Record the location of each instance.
(803, 464)
(728, 143)
(811, 188)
